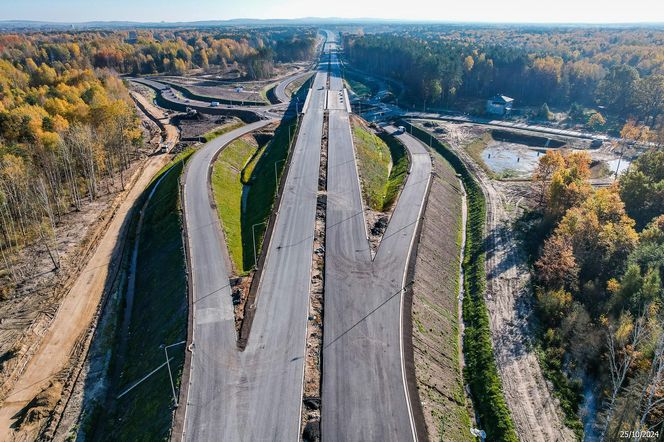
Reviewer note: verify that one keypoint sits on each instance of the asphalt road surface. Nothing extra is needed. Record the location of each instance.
(364, 394)
(254, 395)
(171, 96)
(280, 89)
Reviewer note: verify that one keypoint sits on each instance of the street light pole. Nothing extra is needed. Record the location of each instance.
(253, 237)
(170, 373)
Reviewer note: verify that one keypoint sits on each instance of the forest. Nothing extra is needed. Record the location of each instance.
(592, 73)
(598, 257)
(68, 127)
(66, 137)
(253, 52)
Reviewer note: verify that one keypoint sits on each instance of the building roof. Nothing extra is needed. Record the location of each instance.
(502, 99)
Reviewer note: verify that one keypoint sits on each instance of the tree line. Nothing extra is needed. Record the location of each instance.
(599, 266)
(615, 71)
(68, 128)
(163, 51)
(67, 136)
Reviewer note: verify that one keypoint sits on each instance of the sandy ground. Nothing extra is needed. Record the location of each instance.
(171, 134)
(501, 157)
(74, 315)
(71, 321)
(311, 394)
(535, 412)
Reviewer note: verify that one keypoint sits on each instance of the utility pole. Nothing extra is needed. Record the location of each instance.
(170, 373)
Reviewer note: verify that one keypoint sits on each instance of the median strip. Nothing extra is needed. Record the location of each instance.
(311, 400)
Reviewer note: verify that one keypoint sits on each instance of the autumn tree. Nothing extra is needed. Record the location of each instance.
(569, 186)
(548, 164)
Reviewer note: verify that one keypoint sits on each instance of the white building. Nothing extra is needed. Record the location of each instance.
(499, 105)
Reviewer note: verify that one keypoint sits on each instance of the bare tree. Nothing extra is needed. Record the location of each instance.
(623, 340)
(81, 143)
(649, 401)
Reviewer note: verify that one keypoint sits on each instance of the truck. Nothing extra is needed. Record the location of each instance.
(401, 130)
(214, 104)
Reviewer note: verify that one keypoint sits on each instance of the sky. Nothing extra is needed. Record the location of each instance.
(509, 11)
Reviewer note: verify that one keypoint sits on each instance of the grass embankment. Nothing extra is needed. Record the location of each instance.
(158, 316)
(360, 85)
(360, 89)
(296, 86)
(481, 373)
(248, 166)
(209, 136)
(382, 164)
(436, 323)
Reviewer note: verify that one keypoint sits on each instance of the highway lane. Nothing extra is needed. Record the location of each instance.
(255, 394)
(364, 394)
(280, 88)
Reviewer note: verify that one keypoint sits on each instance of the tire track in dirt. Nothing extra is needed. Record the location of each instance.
(535, 412)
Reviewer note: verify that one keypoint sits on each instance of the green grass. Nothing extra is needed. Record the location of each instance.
(481, 373)
(227, 187)
(299, 86)
(568, 392)
(159, 316)
(248, 170)
(243, 167)
(201, 97)
(383, 166)
(399, 172)
(373, 162)
(360, 89)
(209, 136)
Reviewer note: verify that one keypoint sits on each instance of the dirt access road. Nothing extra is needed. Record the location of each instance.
(169, 131)
(76, 313)
(535, 412)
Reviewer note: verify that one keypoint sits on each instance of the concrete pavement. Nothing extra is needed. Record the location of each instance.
(255, 394)
(364, 392)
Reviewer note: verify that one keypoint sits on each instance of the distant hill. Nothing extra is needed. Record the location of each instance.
(31, 24)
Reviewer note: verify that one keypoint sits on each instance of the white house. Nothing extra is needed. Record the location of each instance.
(499, 105)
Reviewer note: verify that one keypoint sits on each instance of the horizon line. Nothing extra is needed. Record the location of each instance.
(331, 19)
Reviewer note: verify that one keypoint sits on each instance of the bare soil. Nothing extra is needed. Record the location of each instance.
(71, 315)
(436, 311)
(466, 135)
(226, 86)
(535, 411)
(312, 364)
(47, 323)
(201, 124)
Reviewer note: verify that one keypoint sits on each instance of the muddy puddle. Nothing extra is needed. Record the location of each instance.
(508, 159)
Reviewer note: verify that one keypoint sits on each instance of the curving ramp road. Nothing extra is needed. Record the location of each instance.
(254, 395)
